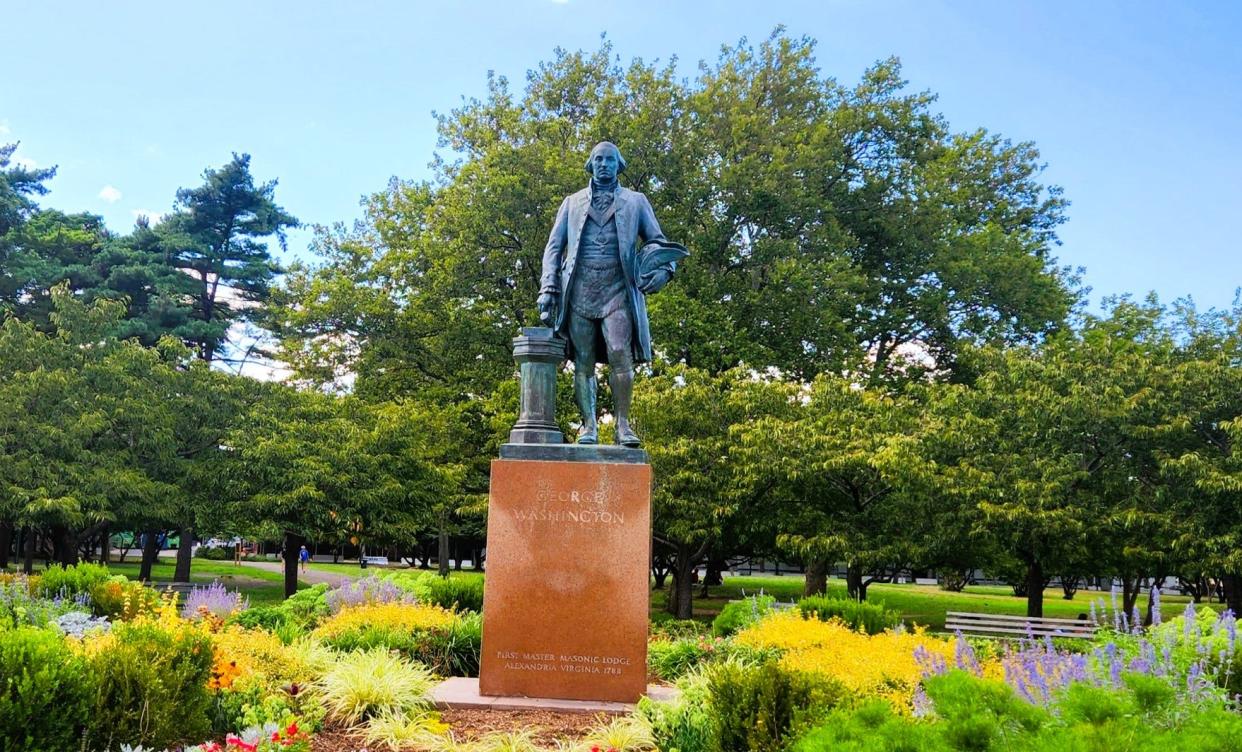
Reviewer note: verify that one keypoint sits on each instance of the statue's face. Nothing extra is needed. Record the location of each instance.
(604, 166)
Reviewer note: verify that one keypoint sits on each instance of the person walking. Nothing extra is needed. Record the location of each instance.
(304, 557)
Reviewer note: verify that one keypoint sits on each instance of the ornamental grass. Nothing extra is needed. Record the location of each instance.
(882, 665)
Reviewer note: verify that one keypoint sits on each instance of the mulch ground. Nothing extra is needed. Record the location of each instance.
(467, 725)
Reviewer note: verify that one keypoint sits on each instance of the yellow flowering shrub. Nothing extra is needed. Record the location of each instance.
(255, 656)
(882, 665)
(398, 617)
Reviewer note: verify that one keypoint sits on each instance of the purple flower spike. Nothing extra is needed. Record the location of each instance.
(213, 599)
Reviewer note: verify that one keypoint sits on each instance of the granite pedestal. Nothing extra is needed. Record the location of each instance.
(568, 548)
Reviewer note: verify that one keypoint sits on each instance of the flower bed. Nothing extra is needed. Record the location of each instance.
(105, 665)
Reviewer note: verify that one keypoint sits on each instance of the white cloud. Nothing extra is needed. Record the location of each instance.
(153, 217)
(110, 193)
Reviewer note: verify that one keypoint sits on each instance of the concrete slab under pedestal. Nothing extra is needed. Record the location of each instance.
(461, 693)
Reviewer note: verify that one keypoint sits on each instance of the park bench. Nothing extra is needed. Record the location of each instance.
(377, 560)
(1000, 625)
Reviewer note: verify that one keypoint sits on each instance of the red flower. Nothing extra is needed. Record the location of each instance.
(275, 736)
(293, 729)
(234, 741)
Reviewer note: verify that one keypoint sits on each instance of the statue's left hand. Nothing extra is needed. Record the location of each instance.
(654, 282)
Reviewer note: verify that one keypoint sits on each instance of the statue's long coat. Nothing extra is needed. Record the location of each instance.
(635, 221)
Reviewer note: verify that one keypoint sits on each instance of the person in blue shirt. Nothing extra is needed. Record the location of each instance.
(304, 557)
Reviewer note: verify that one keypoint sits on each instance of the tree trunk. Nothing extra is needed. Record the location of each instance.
(855, 585)
(1233, 592)
(185, 551)
(150, 549)
(442, 555)
(1131, 587)
(64, 545)
(1035, 589)
(105, 546)
(816, 577)
(6, 540)
(954, 580)
(1157, 583)
(28, 538)
(1069, 586)
(681, 590)
(713, 575)
(293, 544)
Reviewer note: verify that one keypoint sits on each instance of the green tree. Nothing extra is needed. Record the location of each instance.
(688, 416)
(312, 464)
(216, 233)
(836, 466)
(1201, 440)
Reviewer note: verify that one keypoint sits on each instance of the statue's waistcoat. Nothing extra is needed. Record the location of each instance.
(599, 282)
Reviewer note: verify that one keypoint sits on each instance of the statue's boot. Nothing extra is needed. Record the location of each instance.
(626, 435)
(584, 395)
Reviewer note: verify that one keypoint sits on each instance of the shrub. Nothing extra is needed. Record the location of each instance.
(213, 600)
(456, 593)
(883, 665)
(391, 625)
(454, 651)
(663, 625)
(301, 611)
(214, 553)
(672, 659)
(367, 684)
(739, 614)
(366, 591)
(119, 598)
(45, 691)
(20, 607)
(979, 714)
(685, 723)
(78, 623)
(762, 708)
(70, 581)
(152, 686)
(258, 657)
(871, 618)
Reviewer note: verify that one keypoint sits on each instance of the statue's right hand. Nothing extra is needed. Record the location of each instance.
(547, 308)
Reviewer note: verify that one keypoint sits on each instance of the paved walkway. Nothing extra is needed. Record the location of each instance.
(312, 576)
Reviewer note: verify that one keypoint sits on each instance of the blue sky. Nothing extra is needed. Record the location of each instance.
(1136, 107)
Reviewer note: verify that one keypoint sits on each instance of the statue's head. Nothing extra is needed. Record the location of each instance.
(605, 162)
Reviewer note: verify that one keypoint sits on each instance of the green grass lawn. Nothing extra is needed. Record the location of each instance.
(920, 604)
(353, 570)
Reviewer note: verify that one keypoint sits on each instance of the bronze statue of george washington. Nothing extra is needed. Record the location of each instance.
(595, 281)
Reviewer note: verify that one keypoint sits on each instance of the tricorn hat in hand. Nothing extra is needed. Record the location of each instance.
(659, 254)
